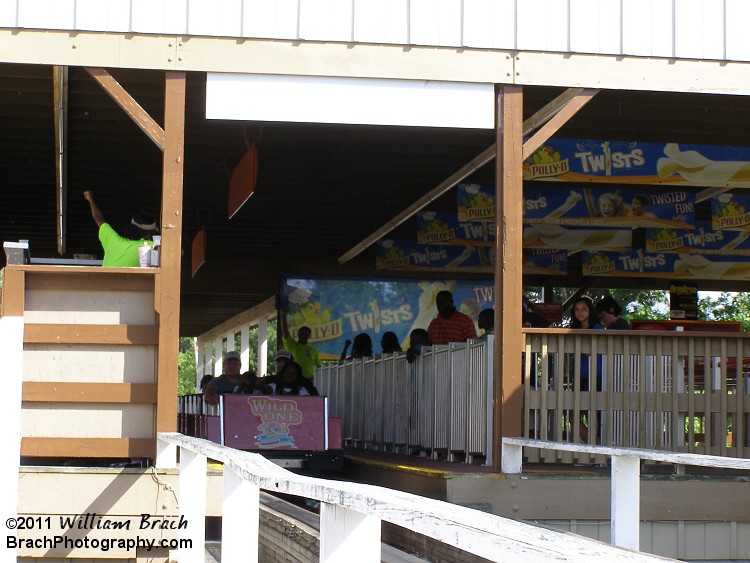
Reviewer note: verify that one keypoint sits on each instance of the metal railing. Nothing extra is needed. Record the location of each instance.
(351, 514)
(674, 391)
(439, 405)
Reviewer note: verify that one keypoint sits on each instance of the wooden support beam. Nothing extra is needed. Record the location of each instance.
(128, 104)
(507, 390)
(561, 114)
(167, 294)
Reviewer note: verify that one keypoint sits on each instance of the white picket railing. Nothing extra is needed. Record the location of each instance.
(351, 514)
(440, 405)
(625, 487)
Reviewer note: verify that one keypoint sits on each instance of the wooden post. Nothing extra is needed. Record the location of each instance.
(168, 297)
(507, 391)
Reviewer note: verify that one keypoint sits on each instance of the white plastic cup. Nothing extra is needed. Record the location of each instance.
(144, 255)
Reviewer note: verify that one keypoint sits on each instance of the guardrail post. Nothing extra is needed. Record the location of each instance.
(240, 514)
(347, 535)
(512, 458)
(193, 506)
(626, 496)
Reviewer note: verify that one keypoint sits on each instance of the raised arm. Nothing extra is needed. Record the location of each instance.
(284, 325)
(96, 213)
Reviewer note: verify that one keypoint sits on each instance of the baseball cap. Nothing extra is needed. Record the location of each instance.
(232, 355)
(283, 355)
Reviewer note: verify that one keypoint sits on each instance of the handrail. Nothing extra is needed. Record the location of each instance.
(351, 514)
(625, 486)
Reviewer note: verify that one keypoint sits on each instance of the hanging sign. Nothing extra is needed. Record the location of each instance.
(604, 263)
(410, 255)
(336, 309)
(603, 207)
(476, 202)
(435, 227)
(573, 238)
(730, 212)
(626, 162)
(702, 240)
(549, 261)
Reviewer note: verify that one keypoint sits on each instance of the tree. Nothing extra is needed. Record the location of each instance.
(186, 367)
(726, 307)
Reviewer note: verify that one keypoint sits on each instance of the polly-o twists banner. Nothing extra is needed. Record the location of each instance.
(372, 306)
(409, 255)
(631, 162)
(604, 263)
(545, 261)
(476, 202)
(434, 227)
(702, 240)
(730, 212)
(605, 207)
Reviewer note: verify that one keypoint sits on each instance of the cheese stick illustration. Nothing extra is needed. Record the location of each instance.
(738, 240)
(698, 265)
(559, 237)
(461, 258)
(569, 204)
(695, 167)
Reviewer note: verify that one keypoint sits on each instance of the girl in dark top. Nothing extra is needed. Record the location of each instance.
(584, 316)
(289, 382)
(389, 343)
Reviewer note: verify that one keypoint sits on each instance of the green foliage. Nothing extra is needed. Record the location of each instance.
(186, 367)
(726, 307)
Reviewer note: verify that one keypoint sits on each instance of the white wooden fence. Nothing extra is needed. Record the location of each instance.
(625, 495)
(351, 514)
(678, 391)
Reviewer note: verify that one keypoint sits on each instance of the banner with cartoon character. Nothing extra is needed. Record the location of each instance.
(545, 261)
(412, 256)
(604, 207)
(730, 212)
(632, 162)
(604, 263)
(576, 238)
(702, 240)
(476, 202)
(434, 227)
(337, 309)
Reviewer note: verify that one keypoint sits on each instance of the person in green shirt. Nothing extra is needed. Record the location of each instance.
(122, 251)
(302, 352)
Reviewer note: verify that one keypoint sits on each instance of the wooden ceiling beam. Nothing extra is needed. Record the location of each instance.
(128, 104)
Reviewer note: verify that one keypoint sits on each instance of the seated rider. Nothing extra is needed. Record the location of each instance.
(289, 382)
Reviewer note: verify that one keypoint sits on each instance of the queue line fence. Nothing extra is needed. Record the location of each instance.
(438, 406)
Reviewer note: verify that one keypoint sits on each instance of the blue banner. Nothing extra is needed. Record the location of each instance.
(412, 256)
(702, 240)
(574, 238)
(545, 261)
(604, 207)
(434, 227)
(336, 309)
(476, 202)
(730, 212)
(630, 162)
(603, 263)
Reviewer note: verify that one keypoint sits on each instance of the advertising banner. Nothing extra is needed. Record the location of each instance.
(336, 309)
(545, 261)
(702, 240)
(604, 263)
(683, 301)
(575, 238)
(603, 207)
(476, 202)
(629, 162)
(412, 256)
(435, 227)
(730, 212)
